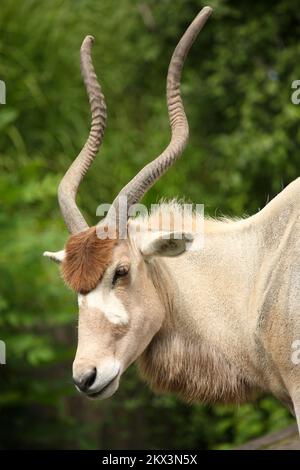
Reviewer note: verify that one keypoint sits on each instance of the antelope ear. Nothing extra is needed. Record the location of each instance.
(56, 256)
(166, 244)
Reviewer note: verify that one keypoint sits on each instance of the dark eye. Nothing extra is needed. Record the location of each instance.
(121, 271)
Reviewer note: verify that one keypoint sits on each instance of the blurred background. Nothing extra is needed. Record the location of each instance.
(244, 148)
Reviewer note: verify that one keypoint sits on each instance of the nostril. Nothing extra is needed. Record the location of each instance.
(90, 378)
(86, 380)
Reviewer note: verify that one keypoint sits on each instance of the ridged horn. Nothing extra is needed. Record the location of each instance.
(139, 185)
(69, 184)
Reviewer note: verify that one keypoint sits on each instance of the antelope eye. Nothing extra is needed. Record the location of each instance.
(121, 271)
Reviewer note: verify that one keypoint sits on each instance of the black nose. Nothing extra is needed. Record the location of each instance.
(85, 380)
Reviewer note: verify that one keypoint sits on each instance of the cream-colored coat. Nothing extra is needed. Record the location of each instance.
(216, 324)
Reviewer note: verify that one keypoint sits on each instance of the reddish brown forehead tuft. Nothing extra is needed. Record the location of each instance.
(87, 258)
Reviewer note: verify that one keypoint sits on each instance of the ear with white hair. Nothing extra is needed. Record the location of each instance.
(166, 244)
(56, 256)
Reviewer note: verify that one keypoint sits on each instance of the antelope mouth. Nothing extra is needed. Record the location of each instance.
(107, 391)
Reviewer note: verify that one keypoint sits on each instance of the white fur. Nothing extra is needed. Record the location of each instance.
(107, 302)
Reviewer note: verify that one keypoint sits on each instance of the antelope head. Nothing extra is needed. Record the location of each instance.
(120, 309)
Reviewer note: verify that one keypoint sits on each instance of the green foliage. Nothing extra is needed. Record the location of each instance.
(243, 149)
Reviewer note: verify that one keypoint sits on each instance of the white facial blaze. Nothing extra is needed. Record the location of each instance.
(107, 302)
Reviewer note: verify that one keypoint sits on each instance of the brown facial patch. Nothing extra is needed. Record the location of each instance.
(87, 258)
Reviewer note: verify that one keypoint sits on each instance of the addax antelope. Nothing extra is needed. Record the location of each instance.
(218, 323)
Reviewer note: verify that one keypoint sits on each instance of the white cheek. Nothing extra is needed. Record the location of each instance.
(108, 303)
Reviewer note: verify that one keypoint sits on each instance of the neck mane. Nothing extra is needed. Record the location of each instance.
(194, 370)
